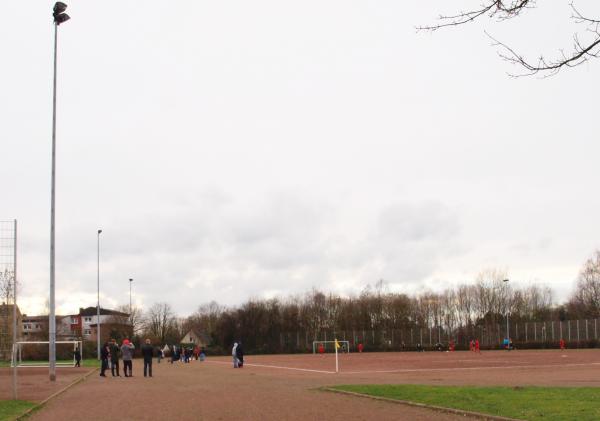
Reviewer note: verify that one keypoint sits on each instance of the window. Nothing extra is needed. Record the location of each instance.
(87, 332)
(37, 326)
(87, 319)
(74, 321)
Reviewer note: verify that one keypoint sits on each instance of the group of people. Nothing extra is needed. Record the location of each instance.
(237, 353)
(474, 345)
(111, 351)
(186, 354)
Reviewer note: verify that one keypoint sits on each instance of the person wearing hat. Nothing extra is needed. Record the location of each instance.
(127, 350)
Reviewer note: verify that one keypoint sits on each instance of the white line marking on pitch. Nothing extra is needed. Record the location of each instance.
(416, 370)
(278, 367)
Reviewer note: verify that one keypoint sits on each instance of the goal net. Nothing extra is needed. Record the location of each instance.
(329, 346)
(35, 353)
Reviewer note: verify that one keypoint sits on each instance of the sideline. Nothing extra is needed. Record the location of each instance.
(55, 394)
(276, 366)
(461, 412)
(509, 367)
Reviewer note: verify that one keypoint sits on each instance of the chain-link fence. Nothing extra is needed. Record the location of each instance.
(8, 238)
(575, 333)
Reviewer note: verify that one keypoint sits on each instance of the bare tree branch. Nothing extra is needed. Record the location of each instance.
(502, 10)
(499, 9)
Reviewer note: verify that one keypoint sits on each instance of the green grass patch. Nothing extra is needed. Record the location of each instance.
(88, 362)
(11, 409)
(527, 403)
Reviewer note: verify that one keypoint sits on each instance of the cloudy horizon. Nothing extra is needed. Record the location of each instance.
(235, 150)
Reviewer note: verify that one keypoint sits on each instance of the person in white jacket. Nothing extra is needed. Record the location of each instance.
(234, 355)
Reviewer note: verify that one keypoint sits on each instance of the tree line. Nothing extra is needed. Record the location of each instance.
(282, 324)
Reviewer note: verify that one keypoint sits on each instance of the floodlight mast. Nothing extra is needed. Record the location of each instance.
(59, 17)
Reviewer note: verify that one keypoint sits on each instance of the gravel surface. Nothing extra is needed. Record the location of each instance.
(280, 388)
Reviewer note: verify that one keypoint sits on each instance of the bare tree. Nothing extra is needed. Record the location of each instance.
(160, 322)
(586, 299)
(501, 10)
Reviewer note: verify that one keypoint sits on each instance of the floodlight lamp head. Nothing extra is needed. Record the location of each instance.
(59, 13)
(99, 231)
(505, 280)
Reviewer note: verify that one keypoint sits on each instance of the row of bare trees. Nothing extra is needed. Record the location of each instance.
(262, 324)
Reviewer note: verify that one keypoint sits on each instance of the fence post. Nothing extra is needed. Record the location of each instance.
(552, 325)
(577, 332)
(526, 338)
(569, 329)
(586, 330)
(560, 329)
(595, 329)
(534, 332)
(429, 336)
(516, 332)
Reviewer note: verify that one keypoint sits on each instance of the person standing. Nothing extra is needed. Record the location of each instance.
(147, 353)
(127, 350)
(104, 354)
(159, 354)
(234, 355)
(77, 355)
(114, 358)
(239, 351)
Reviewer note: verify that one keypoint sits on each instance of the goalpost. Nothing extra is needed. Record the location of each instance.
(20, 356)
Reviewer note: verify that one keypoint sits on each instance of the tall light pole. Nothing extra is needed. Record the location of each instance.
(59, 17)
(507, 325)
(98, 305)
(130, 282)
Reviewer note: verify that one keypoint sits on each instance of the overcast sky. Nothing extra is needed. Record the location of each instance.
(237, 149)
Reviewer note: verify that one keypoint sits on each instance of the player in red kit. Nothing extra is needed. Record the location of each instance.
(477, 345)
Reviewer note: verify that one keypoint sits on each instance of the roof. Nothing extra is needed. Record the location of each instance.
(92, 311)
(202, 336)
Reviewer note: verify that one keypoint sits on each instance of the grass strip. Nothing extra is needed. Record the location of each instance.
(88, 362)
(526, 403)
(10, 409)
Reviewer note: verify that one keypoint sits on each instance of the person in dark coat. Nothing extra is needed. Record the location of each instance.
(239, 352)
(104, 354)
(114, 357)
(77, 355)
(147, 353)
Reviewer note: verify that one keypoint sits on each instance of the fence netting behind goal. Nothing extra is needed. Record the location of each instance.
(329, 347)
(36, 354)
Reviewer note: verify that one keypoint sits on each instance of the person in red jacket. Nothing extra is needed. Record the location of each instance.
(477, 345)
(321, 349)
(562, 344)
(360, 347)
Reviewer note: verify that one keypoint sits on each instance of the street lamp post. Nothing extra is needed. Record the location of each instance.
(507, 325)
(98, 304)
(59, 17)
(130, 281)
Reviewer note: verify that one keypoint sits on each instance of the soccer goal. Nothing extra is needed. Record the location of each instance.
(35, 353)
(329, 346)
